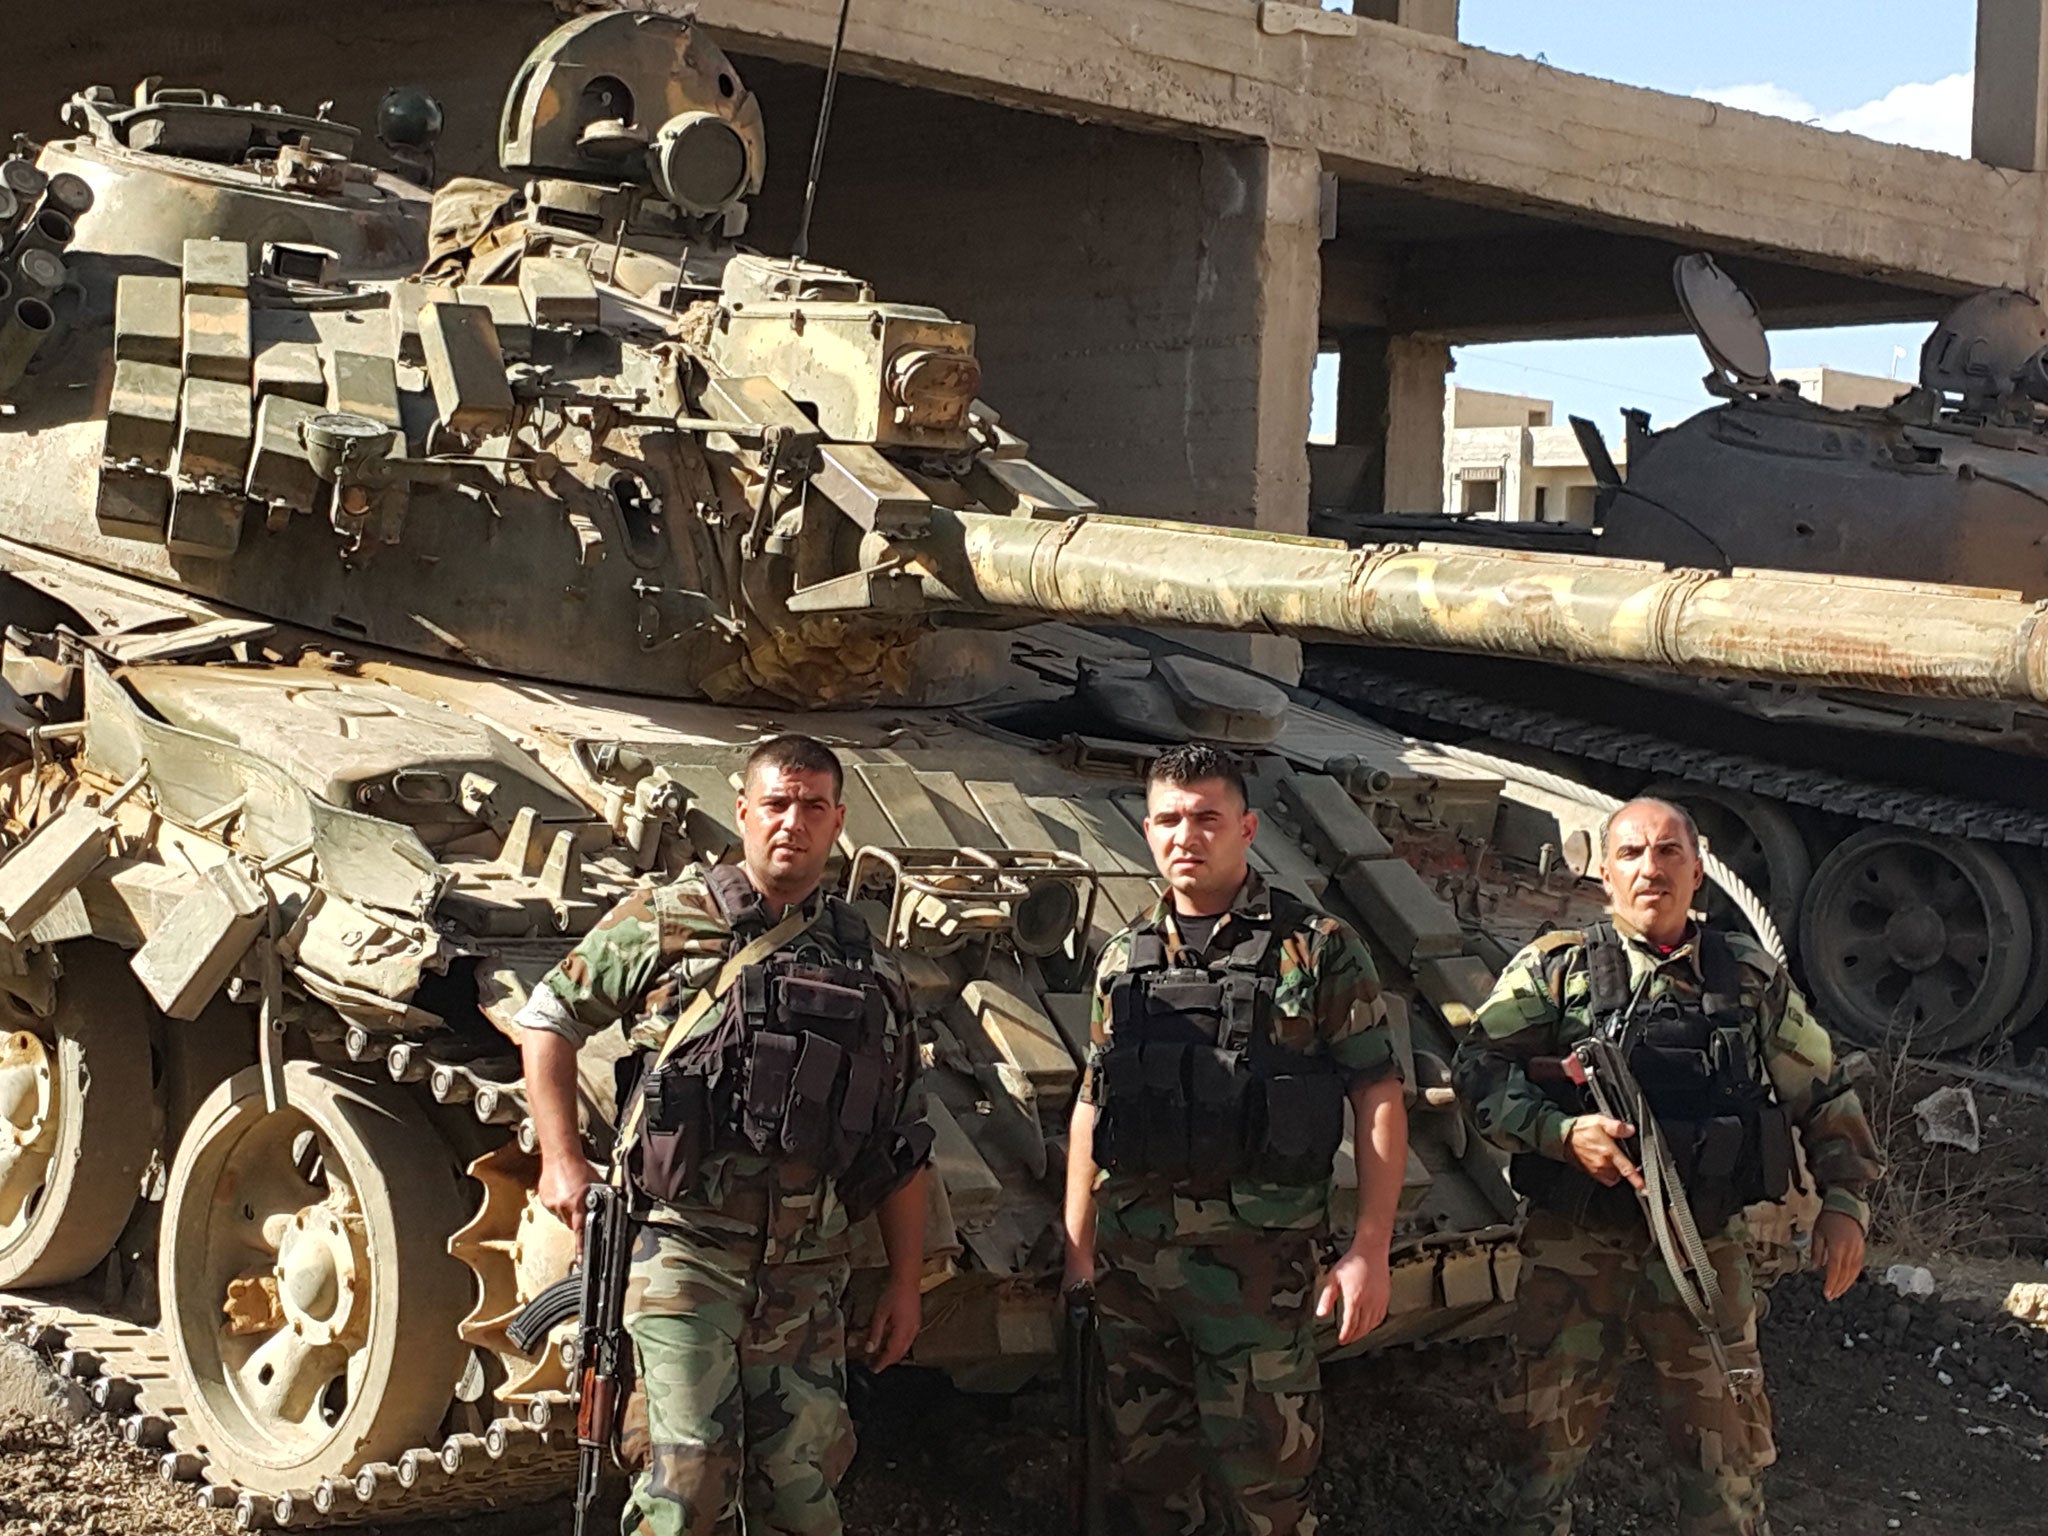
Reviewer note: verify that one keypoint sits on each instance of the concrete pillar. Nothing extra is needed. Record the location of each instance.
(1282, 214)
(1289, 275)
(2008, 125)
(1416, 365)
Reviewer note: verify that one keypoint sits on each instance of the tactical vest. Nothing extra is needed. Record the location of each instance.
(1194, 1088)
(795, 1064)
(1729, 1138)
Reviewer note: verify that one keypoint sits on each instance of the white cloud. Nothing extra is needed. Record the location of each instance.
(1933, 114)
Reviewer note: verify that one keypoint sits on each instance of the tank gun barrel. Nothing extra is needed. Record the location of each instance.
(1887, 636)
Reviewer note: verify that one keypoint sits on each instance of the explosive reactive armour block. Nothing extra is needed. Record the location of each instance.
(508, 313)
(56, 856)
(214, 430)
(216, 268)
(279, 472)
(149, 320)
(217, 338)
(291, 369)
(142, 415)
(365, 384)
(1331, 820)
(201, 942)
(558, 291)
(207, 524)
(466, 369)
(133, 505)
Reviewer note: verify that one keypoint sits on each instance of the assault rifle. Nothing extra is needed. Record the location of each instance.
(596, 1296)
(1080, 1366)
(1600, 1066)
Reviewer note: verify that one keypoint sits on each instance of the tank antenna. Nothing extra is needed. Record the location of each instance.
(802, 248)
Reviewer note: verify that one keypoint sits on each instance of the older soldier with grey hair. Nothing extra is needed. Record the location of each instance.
(1730, 1061)
(735, 1301)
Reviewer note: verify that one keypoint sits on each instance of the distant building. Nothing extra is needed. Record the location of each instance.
(1505, 458)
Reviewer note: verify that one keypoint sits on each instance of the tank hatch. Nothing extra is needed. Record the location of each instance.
(1725, 319)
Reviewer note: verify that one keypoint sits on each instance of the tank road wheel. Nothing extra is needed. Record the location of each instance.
(76, 1121)
(308, 1298)
(2033, 877)
(1910, 938)
(1756, 839)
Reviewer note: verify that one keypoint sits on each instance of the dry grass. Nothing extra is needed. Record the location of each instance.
(1940, 1201)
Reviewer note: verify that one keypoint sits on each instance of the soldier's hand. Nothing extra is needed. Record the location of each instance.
(1363, 1283)
(1080, 1269)
(1837, 1250)
(563, 1181)
(898, 1315)
(1594, 1143)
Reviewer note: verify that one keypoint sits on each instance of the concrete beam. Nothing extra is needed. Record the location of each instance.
(1429, 113)
(2008, 126)
(1533, 287)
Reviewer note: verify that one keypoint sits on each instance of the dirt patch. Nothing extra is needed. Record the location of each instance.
(1888, 1409)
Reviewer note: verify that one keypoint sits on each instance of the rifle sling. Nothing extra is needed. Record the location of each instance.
(687, 1024)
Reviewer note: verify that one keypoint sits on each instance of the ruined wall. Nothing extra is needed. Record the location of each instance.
(1111, 276)
(277, 51)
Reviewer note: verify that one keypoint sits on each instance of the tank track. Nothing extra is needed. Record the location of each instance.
(1366, 689)
(125, 1370)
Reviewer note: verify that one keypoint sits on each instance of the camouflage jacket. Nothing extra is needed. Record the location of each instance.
(638, 968)
(1541, 1006)
(1327, 999)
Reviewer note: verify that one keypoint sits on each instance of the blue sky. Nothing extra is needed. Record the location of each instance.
(1893, 69)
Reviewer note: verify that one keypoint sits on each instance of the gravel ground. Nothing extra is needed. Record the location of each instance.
(1888, 1410)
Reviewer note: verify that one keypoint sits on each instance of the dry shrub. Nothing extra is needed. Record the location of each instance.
(1938, 1200)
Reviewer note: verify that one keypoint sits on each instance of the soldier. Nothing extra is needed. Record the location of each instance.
(1729, 1059)
(1231, 1024)
(792, 1108)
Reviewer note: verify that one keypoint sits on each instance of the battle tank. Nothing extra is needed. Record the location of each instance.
(1897, 842)
(393, 581)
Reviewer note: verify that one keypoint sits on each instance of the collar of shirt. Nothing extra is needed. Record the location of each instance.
(1685, 952)
(1253, 903)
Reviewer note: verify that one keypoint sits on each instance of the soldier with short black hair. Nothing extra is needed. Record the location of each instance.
(736, 1298)
(1230, 1027)
(1730, 1062)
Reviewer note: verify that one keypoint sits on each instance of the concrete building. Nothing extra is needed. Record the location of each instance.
(1507, 457)
(1157, 212)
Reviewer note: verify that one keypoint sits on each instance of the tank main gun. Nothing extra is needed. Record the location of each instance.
(1890, 636)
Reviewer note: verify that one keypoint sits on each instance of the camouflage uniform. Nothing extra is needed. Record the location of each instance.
(1593, 1290)
(735, 1298)
(1207, 1298)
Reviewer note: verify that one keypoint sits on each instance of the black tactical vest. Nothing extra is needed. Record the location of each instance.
(1194, 1088)
(1729, 1137)
(796, 1063)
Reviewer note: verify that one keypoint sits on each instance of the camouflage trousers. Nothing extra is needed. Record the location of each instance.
(1214, 1398)
(1588, 1302)
(743, 1375)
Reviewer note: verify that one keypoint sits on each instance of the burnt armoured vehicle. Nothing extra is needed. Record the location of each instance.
(393, 582)
(1897, 841)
